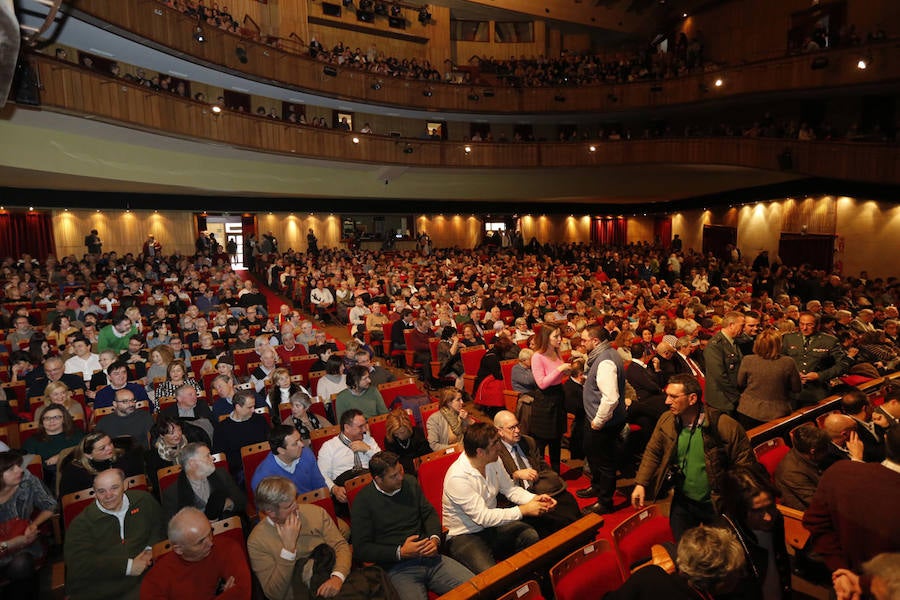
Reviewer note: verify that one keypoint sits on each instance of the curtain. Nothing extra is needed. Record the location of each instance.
(609, 231)
(26, 233)
(662, 231)
(815, 250)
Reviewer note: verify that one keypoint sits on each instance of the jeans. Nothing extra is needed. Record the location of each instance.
(414, 577)
(481, 550)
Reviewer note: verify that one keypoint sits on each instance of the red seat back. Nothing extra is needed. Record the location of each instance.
(401, 387)
(301, 365)
(506, 367)
(353, 486)
(432, 469)
(590, 571)
(251, 456)
(471, 359)
(770, 453)
(320, 497)
(635, 536)
(318, 437)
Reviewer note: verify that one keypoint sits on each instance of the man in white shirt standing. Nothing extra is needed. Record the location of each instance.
(479, 533)
(83, 361)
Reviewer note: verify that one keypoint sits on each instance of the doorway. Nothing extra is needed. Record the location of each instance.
(226, 228)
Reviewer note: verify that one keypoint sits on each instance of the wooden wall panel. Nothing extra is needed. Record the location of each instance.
(448, 230)
(122, 231)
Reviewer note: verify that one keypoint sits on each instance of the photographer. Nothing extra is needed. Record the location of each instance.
(690, 449)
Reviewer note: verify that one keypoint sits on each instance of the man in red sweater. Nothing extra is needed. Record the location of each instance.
(199, 566)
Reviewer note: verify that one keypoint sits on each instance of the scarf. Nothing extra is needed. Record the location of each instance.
(168, 453)
(453, 421)
(594, 354)
(305, 427)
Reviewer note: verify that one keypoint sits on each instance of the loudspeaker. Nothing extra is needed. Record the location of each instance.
(330, 71)
(397, 22)
(332, 10)
(9, 47)
(26, 86)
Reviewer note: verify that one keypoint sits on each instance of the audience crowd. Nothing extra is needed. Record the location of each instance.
(129, 364)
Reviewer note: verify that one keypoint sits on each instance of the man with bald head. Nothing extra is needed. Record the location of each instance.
(107, 548)
(845, 442)
(522, 460)
(199, 565)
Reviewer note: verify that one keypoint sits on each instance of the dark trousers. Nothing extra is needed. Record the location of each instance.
(563, 514)
(601, 449)
(685, 514)
(481, 550)
(552, 446)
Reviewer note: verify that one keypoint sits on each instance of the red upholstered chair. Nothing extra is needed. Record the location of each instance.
(589, 572)
(301, 365)
(635, 536)
(530, 590)
(770, 453)
(27, 430)
(251, 456)
(320, 497)
(36, 466)
(314, 377)
(378, 427)
(431, 470)
(317, 437)
(402, 387)
(353, 486)
(74, 503)
(426, 410)
(319, 409)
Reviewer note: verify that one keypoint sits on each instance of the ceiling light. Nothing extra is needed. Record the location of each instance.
(216, 109)
(719, 83)
(198, 35)
(355, 140)
(592, 148)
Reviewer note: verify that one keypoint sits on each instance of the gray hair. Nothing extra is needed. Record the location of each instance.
(709, 558)
(274, 491)
(188, 452)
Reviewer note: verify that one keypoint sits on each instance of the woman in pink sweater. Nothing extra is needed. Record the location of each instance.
(548, 416)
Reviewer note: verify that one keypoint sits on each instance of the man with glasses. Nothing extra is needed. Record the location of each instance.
(689, 451)
(528, 469)
(126, 420)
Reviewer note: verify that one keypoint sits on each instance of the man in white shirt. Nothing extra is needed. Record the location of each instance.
(479, 533)
(359, 313)
(83, 361)
(322, 299)
(347, 455)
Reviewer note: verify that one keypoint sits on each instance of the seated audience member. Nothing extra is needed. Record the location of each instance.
(56, 432)
(289, 348)
(167, 437)
(850, 517)
(95, 453)
(176, 376)
(522, 381)
(845, 442)
(395, 526)
(519, 456)
(225, 388)
(282, 390)
(291, 459)
(53, 370)
(137, 358)
(404, 439)
(106, 358)
(127, 421)
(334, 381)
(267, 365)
(303, 419)
(285, 548)
(158, 363)
(201, 485)
(882, 579)
(188, 408)
(107, 547)
(58, 392)
(241, 428)
(709, 562)
(748, 503)
(798, 473)
(449, 357)
(118, 380)
(479, 533)
(447, 426)
(83, 361)
(21, 496)
(322, 348)
(116, 335)
(855, 404)
(360, 394)
(200, 564)
(347, 455)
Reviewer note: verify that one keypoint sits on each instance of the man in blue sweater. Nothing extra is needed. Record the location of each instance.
(394, 525)
(289, 458)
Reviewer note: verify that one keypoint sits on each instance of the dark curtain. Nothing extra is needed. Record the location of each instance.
(26, 233)
(662, 231)
(815, 250)
(609, 231)
(716, 238)
(248, 225)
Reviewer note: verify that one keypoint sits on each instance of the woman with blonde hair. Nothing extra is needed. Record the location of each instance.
(160, 358)
(447, 426)
(404, 439)
(58, 392)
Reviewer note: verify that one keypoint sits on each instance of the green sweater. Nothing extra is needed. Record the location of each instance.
(370, 403)
(380, 523)
(107, 340)
(96, 555)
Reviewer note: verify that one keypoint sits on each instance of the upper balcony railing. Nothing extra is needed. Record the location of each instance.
(172, 29)
(73, 89)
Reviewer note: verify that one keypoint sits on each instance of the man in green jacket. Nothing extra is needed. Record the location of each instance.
(107, 549)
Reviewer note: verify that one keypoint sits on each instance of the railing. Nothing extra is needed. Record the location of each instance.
(73, 89)
(172, 29)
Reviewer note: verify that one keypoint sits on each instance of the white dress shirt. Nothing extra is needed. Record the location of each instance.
(336, 458)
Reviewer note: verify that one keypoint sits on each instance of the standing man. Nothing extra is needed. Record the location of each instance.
(480, 534)
(691, 447)
(108, 546)
(722, 359)
(520, 458)
(394, 526)
(819, 358)
(199, 565)
(604, 409)
(93, 243)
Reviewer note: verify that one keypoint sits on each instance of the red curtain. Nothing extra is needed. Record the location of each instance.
(662, 231)
(609, 231)
(26, 233)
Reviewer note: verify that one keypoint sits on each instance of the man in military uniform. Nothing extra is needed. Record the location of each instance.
(723, 359)
(818, 355)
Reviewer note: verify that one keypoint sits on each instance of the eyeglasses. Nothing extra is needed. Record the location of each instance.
(126, 401)
(511, 427)
(52, 418)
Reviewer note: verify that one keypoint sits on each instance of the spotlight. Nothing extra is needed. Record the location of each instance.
(427, 93)
(719, 83)
(355, 140)
(862, 65)
(684, 15)
(488, 93)
(376, 86)
(216, 109)
(467, 149)
(329, 70)
(241, 54)
(408, 149)
(198, 35)
(592, 148)
(474, 97)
